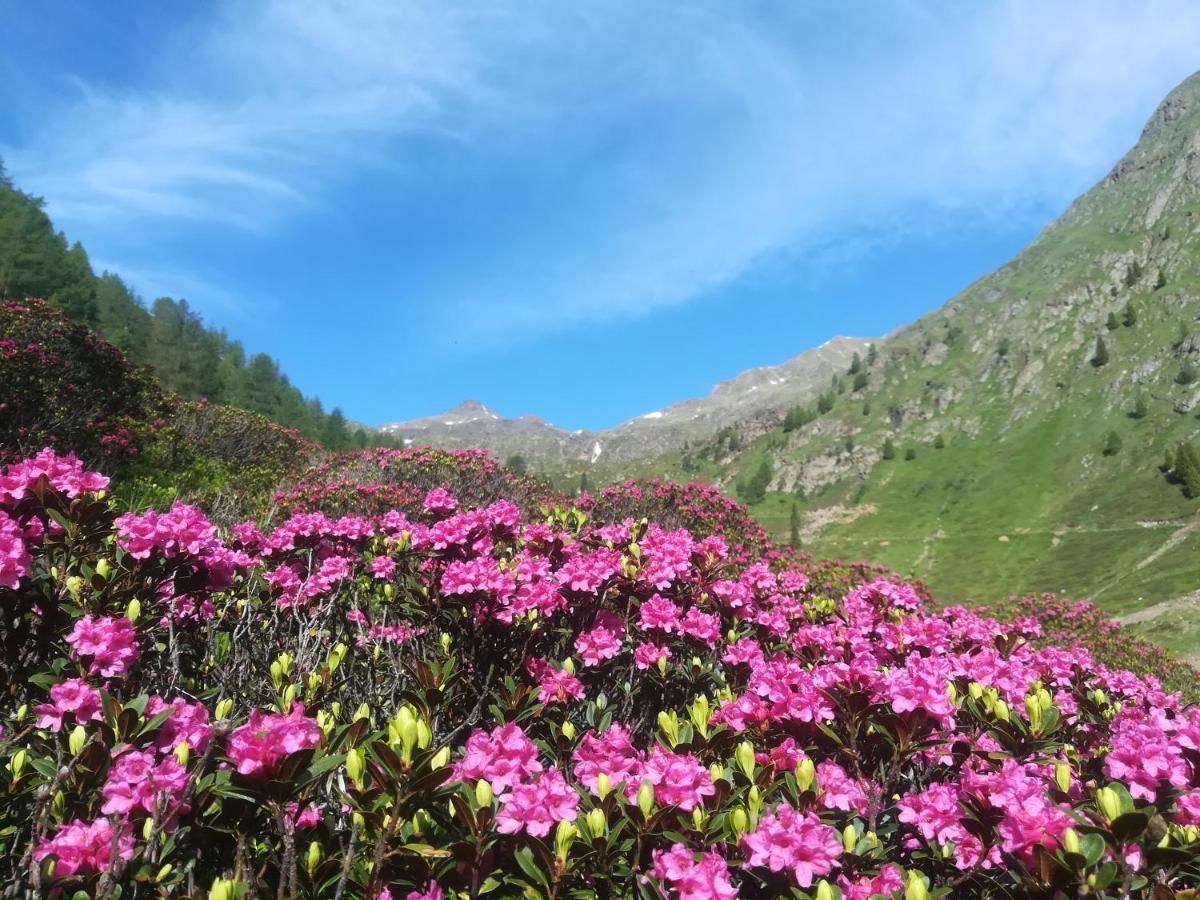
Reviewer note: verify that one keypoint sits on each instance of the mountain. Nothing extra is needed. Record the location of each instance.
(1028, 420)
(759, 392)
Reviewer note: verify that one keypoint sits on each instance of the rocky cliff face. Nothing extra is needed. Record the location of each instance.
(768, 391)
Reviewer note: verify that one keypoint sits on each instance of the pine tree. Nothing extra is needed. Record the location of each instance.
(860, 381)
(855, 365)
(1139, 409)
(1100, 356)
(752, 487)
(824, 404)
(939, 443)
(1112, 444)
(910, 453)
(867, 408)
(889, 449)
(1187, 470)
(1187, 373)
(583, 483)
(794, 528)
(1003, 347)
(872, 355)
(1130, 318)
(517, 463)
(1111, 322)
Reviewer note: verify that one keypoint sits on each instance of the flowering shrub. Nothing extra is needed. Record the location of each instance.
(456, 699)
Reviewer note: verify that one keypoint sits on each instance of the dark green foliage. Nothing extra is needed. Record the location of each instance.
(856, 365)
(1111, 322)
(1112, 444)
(824, 403)
(939, 443)
(872, 355)
(1130, 317)
(583, 483)
(752, 486)
(1185, 470)
(867, 408)
(517, 463)
(1187, 373)
(797, 417)
(794, 528)
(1100, 355)
(1139, 409)
(889, 449)
(1003, 347)
(910, 453)
(860, 381)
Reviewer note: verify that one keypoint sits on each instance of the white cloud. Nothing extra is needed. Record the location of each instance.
(708, 138)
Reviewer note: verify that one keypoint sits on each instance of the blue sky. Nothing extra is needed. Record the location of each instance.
(582, 210)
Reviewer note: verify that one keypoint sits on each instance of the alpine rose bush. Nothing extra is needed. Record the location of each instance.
(463, 695)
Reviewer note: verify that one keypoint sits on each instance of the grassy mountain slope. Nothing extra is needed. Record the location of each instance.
(1022, 496)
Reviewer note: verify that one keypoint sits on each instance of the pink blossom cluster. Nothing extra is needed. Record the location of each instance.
(692, 879)
(536, 806)
(14, 557)
(109, 645)
(73, 698)
(258, 747)
(64, 474)
(84, 848)
(796, 842)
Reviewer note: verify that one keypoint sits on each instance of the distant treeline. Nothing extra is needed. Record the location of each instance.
(188, 357)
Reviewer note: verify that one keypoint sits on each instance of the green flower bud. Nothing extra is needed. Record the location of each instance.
(1062, 776)
(805, 773)
(483, 793)
(603, 785)
(223, 889)
(224, 708)
(754, 798)
(1001, 710)
(17, 764)
(147, 829)
(668, 722)
(440, 758)
(356, 764)
(363, 712)
(564, 837)
(597, 823)
(103, 568)
(444, 640)
(744, 755)
(849, 838)
(314, 857)
(739, 820)
(183, 753)
(1070, 840)
(1109, 803)
(915, 888)
(162, 874)
(824, 891)
(74, 585)
(77, 739)
(569, 731)
(645, 798)
(133, 611)
(569, 666)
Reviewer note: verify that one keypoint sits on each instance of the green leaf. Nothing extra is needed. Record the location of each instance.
(524, 857)
(1091, 848)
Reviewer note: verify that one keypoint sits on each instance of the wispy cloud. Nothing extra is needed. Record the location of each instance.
(698, 139)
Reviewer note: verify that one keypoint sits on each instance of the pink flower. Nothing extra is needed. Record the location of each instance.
(382, 567)
(432, 892)
(14, 559)
(64, 473)
(439, 500)
(538, 806)
(702, 626)
(611, 754)
(74, 697)
(603, 641)
(706, 879)
(647, 655)
(138, 781)
(110, 643)
(556, 685)
(839, 790)
(187, 724)
(258, 747)
(787, 839)
(504, 758)
(678, 780)
(935, 813)
(83, 848)
(659, 613)
(1187, 808)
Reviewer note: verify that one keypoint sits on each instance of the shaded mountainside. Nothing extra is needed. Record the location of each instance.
(1028, 420)
(764, 391)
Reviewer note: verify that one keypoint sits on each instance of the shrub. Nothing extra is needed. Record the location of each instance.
(462, 700)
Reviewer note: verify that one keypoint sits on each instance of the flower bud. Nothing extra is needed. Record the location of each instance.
(17, 763)
(1001, 711)
(223, 889)
(662, 665)
(739, 821)
(336, 655)
(162, 874)
(440, 758)
(668, 722)
(103, 568)
(58, 805)
(133, 611)
(603, 785)
(975, 689)
(569, 666)
(597, 823)
(645, 798)
(74, 585)
(314, 857)
(731, 635)
(224, 708)
(699, 817)
(406, 726)
(183, 753)
(699, 713)
(1033, 709)
(824, 891)
(849, 838)
(389, 591)
(363, 712)
(1062, 776)
(1070, 840)
(744, 756)
(147, 829)
(754, 799)
(483, 793)
(77, 739)
(289, 697)
(915, 888)
(1109, 803)
(564, 836)
(22, 712)
(569, 731)
(356, 764)
(444, 640)
(716, 772)
(805, 773)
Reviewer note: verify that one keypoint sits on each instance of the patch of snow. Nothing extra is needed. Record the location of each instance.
(596, 451)
(653, 415)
